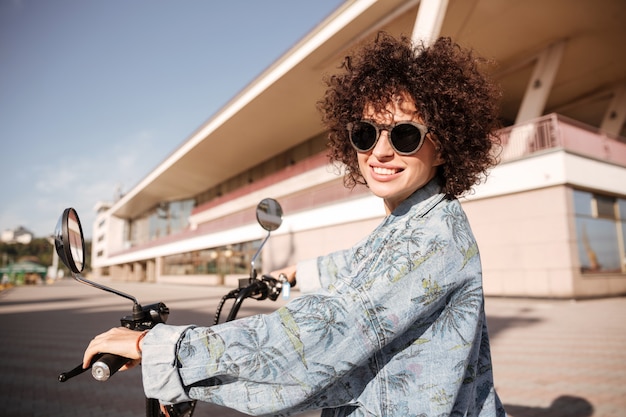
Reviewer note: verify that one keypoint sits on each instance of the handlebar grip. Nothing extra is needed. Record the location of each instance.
(107, 365)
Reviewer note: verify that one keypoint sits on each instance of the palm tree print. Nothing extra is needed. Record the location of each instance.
(256, 354)
(386, 328)
(462, 306)
(456, 220)
(335, 372)
(327, 316)
(211, 341)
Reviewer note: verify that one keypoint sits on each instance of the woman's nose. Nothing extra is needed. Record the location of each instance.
(383, 147)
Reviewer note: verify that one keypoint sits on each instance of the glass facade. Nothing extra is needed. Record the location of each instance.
(225, 260)
(169, 217)
(600, 232)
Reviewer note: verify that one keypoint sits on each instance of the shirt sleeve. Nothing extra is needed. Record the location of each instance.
(308, 276)
(159, 371)
(316, 273)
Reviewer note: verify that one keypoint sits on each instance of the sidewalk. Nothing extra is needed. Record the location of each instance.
(551, 358)
(559, 358)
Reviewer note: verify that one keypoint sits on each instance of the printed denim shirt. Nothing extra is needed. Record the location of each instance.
(397, 329)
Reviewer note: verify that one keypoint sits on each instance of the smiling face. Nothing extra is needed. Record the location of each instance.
(390, 176)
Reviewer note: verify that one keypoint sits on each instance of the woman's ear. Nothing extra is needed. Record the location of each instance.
(438, 157)
(439, 160)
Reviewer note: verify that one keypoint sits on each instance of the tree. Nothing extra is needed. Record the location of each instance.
(38, 250)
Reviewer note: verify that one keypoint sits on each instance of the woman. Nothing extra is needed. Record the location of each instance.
(397, 325)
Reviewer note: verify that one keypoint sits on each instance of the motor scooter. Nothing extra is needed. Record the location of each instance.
(70, 246)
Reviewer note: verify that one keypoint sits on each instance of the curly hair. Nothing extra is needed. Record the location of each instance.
(453, 97)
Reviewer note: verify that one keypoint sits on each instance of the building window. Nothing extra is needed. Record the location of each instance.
(169, 217)
(600, 232)
(225, 260)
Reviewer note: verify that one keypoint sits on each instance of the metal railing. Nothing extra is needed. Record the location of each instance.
(554, 132)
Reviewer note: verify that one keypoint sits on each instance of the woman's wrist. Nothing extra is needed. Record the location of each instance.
(282, 277)
(138, 342)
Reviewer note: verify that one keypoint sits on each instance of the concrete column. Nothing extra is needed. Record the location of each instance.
(151, 270)
(615, 115)
(541, 82)
(138, 272)
(119, 272)
(158, 268)
(429, 19)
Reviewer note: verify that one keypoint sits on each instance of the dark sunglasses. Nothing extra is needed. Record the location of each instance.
(406, 137)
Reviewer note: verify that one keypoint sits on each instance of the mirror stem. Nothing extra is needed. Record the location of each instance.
(80, 279)
(137, 312)
(253, 271)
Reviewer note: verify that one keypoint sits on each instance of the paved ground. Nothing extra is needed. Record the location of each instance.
(560, 358)
(551, 358)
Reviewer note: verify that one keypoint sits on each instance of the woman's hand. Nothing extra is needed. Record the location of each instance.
(289, 271)
(119, 341)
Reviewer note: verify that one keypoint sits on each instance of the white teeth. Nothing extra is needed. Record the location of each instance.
(384, 171)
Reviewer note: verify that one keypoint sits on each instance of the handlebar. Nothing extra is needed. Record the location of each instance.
(259, 289)
(104, 366)
(107, 365)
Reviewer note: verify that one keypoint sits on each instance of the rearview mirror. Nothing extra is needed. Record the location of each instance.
(269, 214)
(69, 241)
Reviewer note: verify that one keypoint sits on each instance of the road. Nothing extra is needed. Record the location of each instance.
(551, 358)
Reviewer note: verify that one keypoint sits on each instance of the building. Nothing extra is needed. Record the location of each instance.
(550, 220)
(18, 235)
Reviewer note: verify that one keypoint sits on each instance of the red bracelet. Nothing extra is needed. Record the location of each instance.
(141, 336)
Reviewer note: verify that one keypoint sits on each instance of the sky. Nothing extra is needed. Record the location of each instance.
(95, 94)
